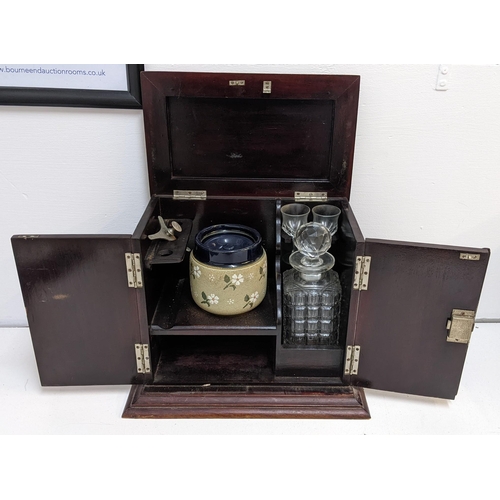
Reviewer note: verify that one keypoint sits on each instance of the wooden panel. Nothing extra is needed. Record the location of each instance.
(257, 138)
(401, 324)
(246, 401)
(224, 360)
(196, 84)
(83, 317)
(352, 245)
(299, 138)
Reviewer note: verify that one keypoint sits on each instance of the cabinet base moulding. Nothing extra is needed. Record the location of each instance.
(223, 401)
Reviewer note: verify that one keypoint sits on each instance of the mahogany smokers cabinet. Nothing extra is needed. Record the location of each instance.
(234, 148)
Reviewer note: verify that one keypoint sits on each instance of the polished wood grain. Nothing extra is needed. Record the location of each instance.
(202, 359)
(247, 401)
(204, 134)
(250, 152)
(238, 138)
(83, 317)
(402, 317)
(352, 245)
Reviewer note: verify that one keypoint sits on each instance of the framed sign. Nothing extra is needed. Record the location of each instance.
(72, 85)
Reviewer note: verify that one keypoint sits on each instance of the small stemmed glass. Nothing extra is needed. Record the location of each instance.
(295, 215)
(328, 216)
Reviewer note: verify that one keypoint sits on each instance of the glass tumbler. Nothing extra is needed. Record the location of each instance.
(294, 215)
(328, 216)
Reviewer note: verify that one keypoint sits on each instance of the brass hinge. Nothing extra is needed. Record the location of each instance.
(362, 273)
(182, 194)
(134, 273)
(352, 360)
(142, 358)
(460, 326)
(311, 196)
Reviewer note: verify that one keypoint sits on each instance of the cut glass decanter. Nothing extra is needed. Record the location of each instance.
(311, 290)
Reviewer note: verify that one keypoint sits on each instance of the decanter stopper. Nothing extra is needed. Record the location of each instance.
(311, 258)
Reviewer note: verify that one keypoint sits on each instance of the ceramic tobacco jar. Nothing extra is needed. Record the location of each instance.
(228, 269)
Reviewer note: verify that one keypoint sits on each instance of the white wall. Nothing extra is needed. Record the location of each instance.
(426, 166)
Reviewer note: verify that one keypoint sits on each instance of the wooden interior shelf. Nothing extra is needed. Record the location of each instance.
(177, 314)
(202, 360)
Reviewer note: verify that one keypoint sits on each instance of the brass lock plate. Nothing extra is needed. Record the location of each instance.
(460, 326)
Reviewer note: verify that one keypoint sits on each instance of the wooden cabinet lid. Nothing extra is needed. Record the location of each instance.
(250, 134)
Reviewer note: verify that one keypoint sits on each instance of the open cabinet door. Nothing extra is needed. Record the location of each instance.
(84, 318)
(405, 313)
